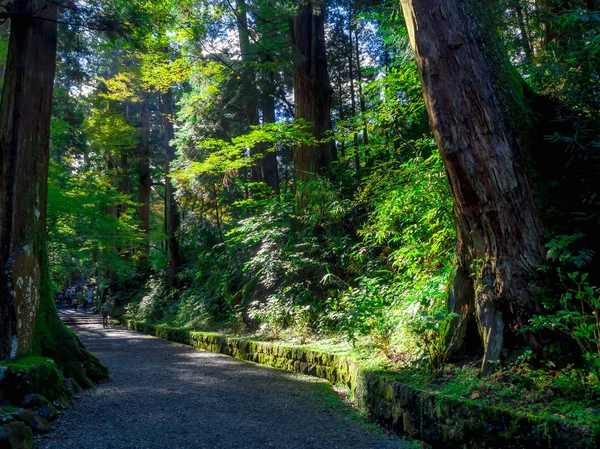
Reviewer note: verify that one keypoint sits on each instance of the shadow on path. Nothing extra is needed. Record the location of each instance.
(165, 395)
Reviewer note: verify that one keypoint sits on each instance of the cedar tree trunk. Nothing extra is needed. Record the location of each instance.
(25, 112)
(265, 168)
(268, 171)
(353, 98)
(144, 180)
(312, 90)
(468, 92)
(171, 211)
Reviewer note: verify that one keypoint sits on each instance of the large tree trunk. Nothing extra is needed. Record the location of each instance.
(269, 29)
(144, 180)
(523, 29)
(3, 47)
(24, 154)
(470, 94)
(124, 181)
(353, 98)
(171, 211)
(312, 90)
(250, 91)
(268, 166)
(248, 85)
(265, 168)
(124, 189)
(363, 106)
(269, 173)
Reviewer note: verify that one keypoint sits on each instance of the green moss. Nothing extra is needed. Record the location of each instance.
(55, 340)
(31, 375)
(435, 409)
(26, 362)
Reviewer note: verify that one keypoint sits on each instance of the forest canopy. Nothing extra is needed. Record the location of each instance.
(415, 179)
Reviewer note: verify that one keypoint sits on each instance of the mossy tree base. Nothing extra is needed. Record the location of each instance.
(439, 420)
(57, 341)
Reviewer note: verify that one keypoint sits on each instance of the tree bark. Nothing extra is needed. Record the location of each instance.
(269, 172)
(124, 189)
(3, 47)
(523, 29)
(312, 90)
(25, 112)
(363, 106)
(468, 93)
(144, 180)
(265, 168)
(248, 72)
(171, 210)
(24, 138)
(353, 99)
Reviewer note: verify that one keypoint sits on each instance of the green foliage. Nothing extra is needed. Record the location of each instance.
(109, 131)
(576, 314)
(368, 256)
(432, 329)
(571, 60)
(225, 156)
(79, 224)
(154, 305)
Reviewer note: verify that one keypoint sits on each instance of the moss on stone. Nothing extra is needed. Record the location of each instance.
(57, 341)
(29, 375)
(441, 420)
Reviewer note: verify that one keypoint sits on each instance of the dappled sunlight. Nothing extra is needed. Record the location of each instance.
(400, 197)
(217, 401)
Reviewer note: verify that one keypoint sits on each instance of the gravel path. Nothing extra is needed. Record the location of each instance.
(165, 395)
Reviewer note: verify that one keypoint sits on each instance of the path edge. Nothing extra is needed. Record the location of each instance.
(439, 420)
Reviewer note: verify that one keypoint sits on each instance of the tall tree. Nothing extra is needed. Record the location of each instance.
(25, 135)
(144, 177)
(268, 167)
(172, 213)
(25, 112)
(363, 106)
(523, 29)
(312, 90)
(265, 169)
(470, 91)
(352, 93)
(268, 24)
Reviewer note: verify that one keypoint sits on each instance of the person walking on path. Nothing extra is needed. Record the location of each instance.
(89, 297)
(79, 296)
(105, 314)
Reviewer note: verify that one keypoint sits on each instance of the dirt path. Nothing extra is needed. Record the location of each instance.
(165, 395)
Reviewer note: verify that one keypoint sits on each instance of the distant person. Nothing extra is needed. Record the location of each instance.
(89, 298)
(79, 296)
(105, 314)
(86, 304)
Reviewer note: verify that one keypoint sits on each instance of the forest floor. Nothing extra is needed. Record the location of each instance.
(166, 395)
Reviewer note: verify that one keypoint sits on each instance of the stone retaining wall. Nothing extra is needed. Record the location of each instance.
(438, 420)
(32, 393)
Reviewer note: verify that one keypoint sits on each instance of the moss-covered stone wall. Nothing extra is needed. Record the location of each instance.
(439, 420)
(32, 392)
